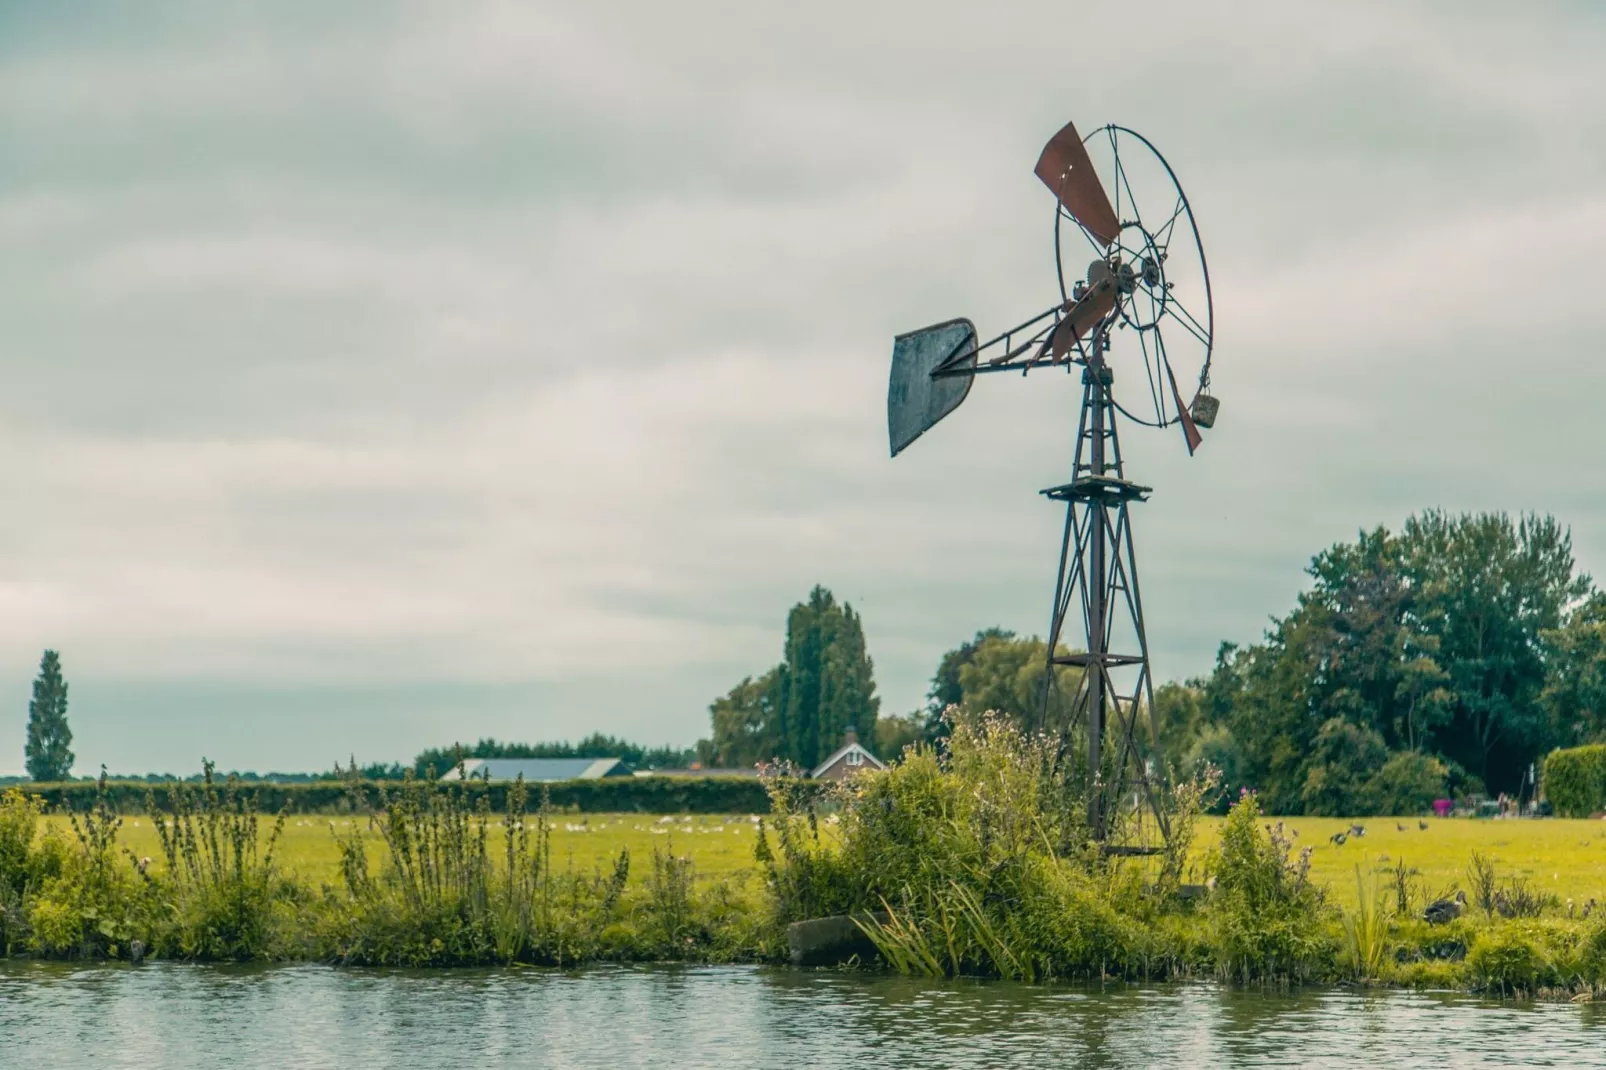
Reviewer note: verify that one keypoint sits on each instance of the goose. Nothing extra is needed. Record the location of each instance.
(1423, 825)
(1398, 827)
(1338, 838)
(1443, 910)
(1357, 830)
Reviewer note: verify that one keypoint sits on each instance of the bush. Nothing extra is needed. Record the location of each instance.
(648, 794)
(1343, 760)
(220, 886)
(1517, 957)
(981, 859)
(1407, 784)
(1575, 780)
(1266, 915)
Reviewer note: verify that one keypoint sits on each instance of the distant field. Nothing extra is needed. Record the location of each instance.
(1567, 858)
(721, 845)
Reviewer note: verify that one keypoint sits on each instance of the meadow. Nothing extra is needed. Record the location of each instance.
(1566, 858)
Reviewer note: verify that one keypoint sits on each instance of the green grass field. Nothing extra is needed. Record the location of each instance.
(1567, 858)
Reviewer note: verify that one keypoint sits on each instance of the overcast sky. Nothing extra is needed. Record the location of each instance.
(376, 377)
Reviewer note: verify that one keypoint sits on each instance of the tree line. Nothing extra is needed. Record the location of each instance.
(1445, 658)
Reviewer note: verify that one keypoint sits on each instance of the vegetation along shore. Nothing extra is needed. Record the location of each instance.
(976, 857)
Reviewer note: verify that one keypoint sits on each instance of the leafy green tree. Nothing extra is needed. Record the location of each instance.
(826, 682)
(745, 723)
(1574, 696)
(1490, 588)
(1180, 718)
(894, 733)
(946, 689)
(1009, 673)
(48, 752)
(1344, 758)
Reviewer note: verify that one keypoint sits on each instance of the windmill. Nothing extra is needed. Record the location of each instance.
(1130, 268)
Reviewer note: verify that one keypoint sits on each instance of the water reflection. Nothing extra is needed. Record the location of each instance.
(182, 1017)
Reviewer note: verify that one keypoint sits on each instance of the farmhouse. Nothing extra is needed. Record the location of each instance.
(538, 770)
(847, 760)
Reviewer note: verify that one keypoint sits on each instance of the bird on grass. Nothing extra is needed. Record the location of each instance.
(1398, 827)
(1357, 830)
(1338, 838)
(1441, 911)
(1423, 825)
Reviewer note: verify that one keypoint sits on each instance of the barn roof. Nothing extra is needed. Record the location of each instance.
(539, 770)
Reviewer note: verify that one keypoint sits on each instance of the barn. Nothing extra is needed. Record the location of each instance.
(538, 770)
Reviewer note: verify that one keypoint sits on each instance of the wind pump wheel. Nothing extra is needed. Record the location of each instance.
(1119, 211)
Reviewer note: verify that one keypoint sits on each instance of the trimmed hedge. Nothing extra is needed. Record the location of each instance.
(1575, 780)
(649, 794)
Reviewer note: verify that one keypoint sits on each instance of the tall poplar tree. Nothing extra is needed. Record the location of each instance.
(826, 682)
(49, 738)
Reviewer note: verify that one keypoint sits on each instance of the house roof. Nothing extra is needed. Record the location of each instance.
(538, 770)
(841, 752)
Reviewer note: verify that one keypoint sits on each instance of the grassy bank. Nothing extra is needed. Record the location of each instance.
(980, 860)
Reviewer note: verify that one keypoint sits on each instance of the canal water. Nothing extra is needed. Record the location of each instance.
(183, 1017)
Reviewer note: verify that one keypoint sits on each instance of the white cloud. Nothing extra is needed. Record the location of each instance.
(484, 345)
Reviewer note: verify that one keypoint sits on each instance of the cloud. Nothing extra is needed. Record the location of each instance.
(499, 369)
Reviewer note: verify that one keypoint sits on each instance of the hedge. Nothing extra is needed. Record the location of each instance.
(648, 794)
(1575, 780)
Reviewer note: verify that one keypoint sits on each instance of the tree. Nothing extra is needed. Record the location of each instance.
(1490, 588)
(1574, 696)
(745, 726)
(1343, 761)
(826, 682)
(894, 733)
(946, 689)
(49, 739)
(596, 745)
(1008, 674)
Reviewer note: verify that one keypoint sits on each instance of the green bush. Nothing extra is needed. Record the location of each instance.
(1517, 957)
(1407, 784)
(1575, 780)
(648, 794)
(221, 889)
(1344, 757)
(1267, 917)
(981, 859)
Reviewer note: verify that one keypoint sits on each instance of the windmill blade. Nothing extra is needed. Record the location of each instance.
(1066, 170)
(1081, 318)
(1190, 431)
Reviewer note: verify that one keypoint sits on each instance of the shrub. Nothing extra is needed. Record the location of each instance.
(1344, 758)
(93, 906)
(219, 887)
(1575, 780)
(1407, 784)
(1266, 915)
(648, 794)
(1515, 957)
(981, 859)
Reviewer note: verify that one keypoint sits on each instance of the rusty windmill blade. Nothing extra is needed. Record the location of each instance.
(1190, 431)
(1066, 170)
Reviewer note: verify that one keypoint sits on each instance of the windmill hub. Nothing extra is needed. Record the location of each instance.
(1132, 281)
